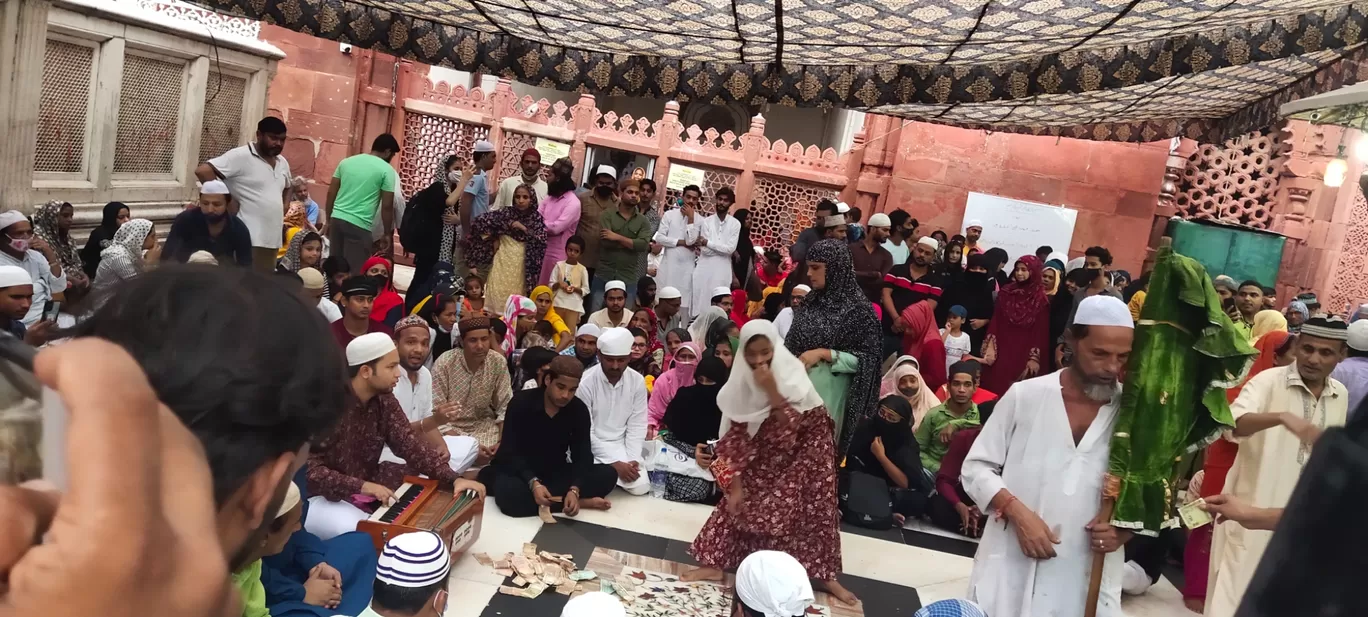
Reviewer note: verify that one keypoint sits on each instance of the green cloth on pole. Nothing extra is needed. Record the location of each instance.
(1185, 355)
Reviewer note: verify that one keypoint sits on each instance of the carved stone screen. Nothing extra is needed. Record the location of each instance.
(149, 115)
(223, 96)
(428, 140)
(1232, 182)
(1350, 286)
(64, 108)
(784, 208)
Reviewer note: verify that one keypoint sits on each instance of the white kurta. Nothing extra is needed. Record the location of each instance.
(1027, 447)
(1264, 473)
(677, 262)
(617, 416)
(416, 401)
(714, 260)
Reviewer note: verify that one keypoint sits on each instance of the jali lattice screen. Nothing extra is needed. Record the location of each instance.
(713, 178)
(1350, 286)
(783, 209)
(428, 140)
(149, 115)
(64, 108)
(223, 96)
(1232, 182)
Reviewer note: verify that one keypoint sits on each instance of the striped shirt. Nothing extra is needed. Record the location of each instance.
(907, 290)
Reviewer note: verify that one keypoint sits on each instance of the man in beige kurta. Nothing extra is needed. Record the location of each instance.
(1278, 415)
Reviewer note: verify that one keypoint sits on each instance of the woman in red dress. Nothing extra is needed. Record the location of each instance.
(1019, 333)
(779, 453)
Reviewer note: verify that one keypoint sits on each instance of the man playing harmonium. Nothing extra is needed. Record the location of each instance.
(345, 471)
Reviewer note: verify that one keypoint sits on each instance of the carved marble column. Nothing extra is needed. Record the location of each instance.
(23, 41)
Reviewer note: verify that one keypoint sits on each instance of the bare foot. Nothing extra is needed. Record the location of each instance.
(839, 592)
(595, 503)
(701, 574)
(1196, 605)
(899, 519)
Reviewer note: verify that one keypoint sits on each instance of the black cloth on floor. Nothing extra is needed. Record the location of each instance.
(514, 495)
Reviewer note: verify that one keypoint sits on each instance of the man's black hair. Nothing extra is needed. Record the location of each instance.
(353, 371)
(856, 214)
(716, 298)
(1250, 283)
(726, 190)
(243, 361)
(826, 205)
(271, 125)
(334, 265)
(404, 600)
(691, 187)
(1269, 291)
(499, 328)
(1044, 250)
(635, 332)
(1081, 277)
(645, 181)
(898, 218)
(1101, 253)
(534, 358)
(385, 143)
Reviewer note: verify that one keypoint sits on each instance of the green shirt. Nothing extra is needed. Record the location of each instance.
(616, 262)
(928, 433)
(1245, 328)
(832, 382)
(248, 582)
(362, 178)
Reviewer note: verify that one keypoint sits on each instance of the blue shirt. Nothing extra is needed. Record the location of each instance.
(479, 188)
(1353, 373)
(311, 210)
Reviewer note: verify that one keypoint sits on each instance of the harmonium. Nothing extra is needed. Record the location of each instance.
(420, 506)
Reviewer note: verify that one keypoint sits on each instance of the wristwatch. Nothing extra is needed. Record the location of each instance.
(532, 484)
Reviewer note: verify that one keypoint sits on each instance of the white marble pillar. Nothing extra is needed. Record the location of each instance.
(23, 41)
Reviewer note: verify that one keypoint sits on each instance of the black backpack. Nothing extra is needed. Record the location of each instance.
(865, 501)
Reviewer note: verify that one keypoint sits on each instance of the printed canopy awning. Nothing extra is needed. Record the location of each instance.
(1129, 70)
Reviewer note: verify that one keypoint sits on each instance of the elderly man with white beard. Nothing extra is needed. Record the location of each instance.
(1038, 464)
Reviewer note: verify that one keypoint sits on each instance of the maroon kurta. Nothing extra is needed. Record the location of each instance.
(789, 475)
(351, 456)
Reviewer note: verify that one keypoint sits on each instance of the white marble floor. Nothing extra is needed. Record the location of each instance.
(933, 574)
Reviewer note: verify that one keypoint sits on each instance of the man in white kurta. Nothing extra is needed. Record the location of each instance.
(413, 338)
(1278, 414)
(1039, 464)
(678, 234)
(718, 235)
(616, 398)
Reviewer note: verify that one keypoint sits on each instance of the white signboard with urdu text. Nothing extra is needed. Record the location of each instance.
(1020, 227)
(682, 176)
(551, 151)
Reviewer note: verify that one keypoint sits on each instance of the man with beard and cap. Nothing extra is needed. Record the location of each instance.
(585, 348)
(209, 228)
(315, 288)
(411, 577)
(16, 295)
(973, 230)
(1279, 415)
(678, 233)
(785, 318)
(413, 339)
(362, 185)
(872, 260)
(530, 169)
(616, 397)
(718, 235)
(476, 383)
(907, 284)
(531, 469)
(1039, 465)
(834, 228)
(669, 311)
(346, 468)
(22, 249)
(358, 293)
(259, 179)
(561, 211)
(593, 205)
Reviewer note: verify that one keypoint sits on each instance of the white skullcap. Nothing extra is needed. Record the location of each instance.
(368, 347)
(11, 217)
(11, 276)
(835, 220)
(842, 207)
(291, 500)
(721, 291)
(313, 279)
(214, 187)
(412, 560)
(1074, 264)
(588, 330)
(929, 241)
(759, 250)
(802, 288)
(1358, 334)
(594, 604)
(615, 342)
(611, 285)
(202, 257)
(1103, 310)
(1062, 257)
(880, 220)
(484, 146)
(668, 293)
(774, 584)
(605, 170)
(974, 223)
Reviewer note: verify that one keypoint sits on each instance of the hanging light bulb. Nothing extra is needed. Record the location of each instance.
(1335, 171)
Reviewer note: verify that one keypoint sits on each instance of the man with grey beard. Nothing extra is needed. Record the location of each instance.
(1038, 464)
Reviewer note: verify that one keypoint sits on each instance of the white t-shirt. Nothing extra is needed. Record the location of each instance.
(956, 347)
(258, 189)
(44, 283)
(329, 309)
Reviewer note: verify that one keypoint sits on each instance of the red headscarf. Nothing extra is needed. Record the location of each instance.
(388, 297)
(1021, 301)
(922, 341)
(738, 312)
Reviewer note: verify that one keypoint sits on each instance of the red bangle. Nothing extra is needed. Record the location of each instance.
(1002, 511)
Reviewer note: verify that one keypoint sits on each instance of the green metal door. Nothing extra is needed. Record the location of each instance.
(1240, 253)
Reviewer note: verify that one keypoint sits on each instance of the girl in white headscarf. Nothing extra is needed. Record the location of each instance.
(778, 474)
(124, 257)
(904, 379)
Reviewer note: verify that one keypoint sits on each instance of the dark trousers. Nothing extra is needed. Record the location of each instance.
(943, 514)
(515, 498)
(351, 242)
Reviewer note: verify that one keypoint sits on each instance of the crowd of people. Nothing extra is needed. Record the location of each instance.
(556, 345)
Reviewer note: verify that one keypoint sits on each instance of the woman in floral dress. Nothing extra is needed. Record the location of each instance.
(778, 472)
(511, 243)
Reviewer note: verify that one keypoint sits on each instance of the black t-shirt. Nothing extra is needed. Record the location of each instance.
(535, 444)
(907, 458)
(907, 291)
(190, 233)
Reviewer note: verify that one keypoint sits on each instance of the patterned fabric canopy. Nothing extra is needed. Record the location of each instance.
(1130, 70)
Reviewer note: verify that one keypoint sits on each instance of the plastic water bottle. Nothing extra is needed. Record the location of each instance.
(657, 477)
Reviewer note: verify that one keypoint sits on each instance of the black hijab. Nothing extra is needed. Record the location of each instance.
(895, 436)
(693, 416)
(745, 250)
(997, 259)
(101, 236)
(974, 292)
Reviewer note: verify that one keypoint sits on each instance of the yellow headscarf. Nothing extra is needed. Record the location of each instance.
(1267, 321)
(557, 323)
(284, 246)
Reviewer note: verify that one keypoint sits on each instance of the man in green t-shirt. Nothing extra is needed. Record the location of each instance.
(362, 185)
(957, 412)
